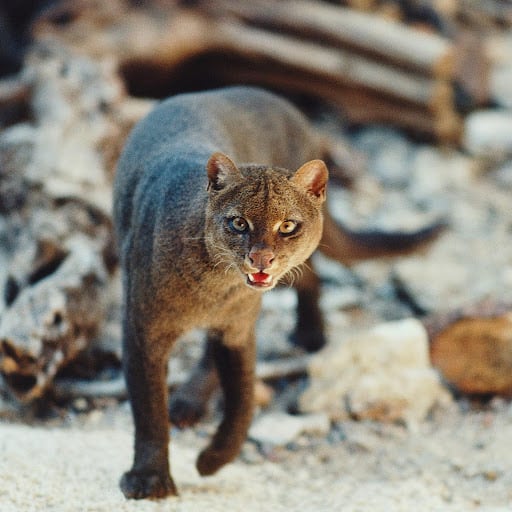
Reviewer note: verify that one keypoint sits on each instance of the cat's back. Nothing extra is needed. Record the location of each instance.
(164, 159)
(248, 123)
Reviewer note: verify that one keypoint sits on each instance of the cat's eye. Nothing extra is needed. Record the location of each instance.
(288, 227)
(239, 224)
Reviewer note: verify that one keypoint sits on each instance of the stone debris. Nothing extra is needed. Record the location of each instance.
(278, 428)
(381, 374)
(489, 133)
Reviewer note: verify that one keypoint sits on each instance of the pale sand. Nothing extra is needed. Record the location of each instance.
(456, 462)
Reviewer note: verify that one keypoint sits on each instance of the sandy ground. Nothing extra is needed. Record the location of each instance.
(456, 461)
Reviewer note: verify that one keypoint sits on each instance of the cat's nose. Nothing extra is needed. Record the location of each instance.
(261, 258)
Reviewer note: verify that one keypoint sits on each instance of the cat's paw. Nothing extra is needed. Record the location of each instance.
(147, 484)
(185, 412)
(211, 460)
(310, 340)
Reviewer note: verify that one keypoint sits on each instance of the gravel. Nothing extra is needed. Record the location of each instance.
(456, 461)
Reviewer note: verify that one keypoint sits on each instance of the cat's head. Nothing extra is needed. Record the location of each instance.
(262, 222)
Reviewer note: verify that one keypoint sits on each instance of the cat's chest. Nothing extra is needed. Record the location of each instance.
(198, 293)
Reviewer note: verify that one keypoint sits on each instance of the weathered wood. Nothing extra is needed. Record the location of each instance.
(477, 14)
(56, 210)
(342, 27)
(362, 108)
(14, 99)
(334, 65)
(357, 105)
(245, 51)
(202, 35)
(116, 388)
(60, 316)
(14, 90)
(472, 70)
(485, 12)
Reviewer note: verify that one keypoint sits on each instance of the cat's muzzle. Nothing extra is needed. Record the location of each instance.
(260, 280)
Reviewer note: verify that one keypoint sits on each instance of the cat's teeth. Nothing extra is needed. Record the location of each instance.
(257, 278)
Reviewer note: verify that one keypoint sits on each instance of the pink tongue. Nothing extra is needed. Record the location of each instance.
(260, 277)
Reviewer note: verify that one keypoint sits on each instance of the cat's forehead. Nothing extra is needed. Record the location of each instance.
(264, 213)
(269, 195)
(264, 172)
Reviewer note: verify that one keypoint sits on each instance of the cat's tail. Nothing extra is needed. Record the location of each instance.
(349, 246)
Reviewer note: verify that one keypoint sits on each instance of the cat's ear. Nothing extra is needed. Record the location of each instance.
(312, 177)
(221, 171)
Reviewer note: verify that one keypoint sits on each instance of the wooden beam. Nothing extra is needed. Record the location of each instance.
(342, 27)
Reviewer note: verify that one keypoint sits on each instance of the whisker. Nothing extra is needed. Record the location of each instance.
(295, 273)
(223, 257)
(231, 265)
(218, 263)
(327, 246)
(290, 277)
(305, 264)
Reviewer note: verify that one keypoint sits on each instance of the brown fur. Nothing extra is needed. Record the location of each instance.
(188, 253)
(189, 239)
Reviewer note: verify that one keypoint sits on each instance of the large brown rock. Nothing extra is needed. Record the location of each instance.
(474, 352)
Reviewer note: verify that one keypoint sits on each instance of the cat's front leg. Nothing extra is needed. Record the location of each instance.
(145, 367)
(235, 363)
(309, 328)
(189, 402)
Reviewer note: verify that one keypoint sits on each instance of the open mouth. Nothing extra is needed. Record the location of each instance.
(259, 280)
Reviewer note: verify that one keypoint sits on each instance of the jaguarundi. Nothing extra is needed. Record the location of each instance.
(218, 197)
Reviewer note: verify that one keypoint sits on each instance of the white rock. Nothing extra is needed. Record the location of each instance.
(500, 89)
(503, 175)
(278, 428)
(433, 172)
(382, 374)
(489, 133)
(499, 49)
(388, 153)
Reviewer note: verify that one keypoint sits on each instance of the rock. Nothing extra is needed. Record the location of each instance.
(388, 153)
(488, 133)
(275, 323)
(334, 273)
(382, 374)
(437, 281)
(337, 299)
(503, 175)
(278, 428)
(434, 172)
(428, 285)
(499, 49)
(263, 394)
(443, 277)
(473, 350)
(500, 80)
